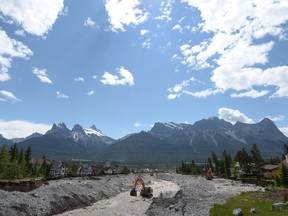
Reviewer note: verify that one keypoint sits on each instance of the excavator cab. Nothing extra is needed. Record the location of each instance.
(145, 191)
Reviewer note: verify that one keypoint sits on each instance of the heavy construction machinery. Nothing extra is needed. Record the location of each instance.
(209, 175)
(145, 191)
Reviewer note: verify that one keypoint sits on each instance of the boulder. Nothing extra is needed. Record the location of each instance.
(237, 212)
(278, 206)
(253, 210)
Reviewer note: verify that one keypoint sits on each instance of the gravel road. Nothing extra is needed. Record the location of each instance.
(194, 196)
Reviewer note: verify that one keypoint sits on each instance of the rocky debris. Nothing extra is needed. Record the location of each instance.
(253, 210)
(237, 212)
(197, 195)
(62, 195)
(278, 206)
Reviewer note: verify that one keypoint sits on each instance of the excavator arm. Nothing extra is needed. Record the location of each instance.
(145, 191)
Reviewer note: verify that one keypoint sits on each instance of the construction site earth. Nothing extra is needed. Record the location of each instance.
(168, 194)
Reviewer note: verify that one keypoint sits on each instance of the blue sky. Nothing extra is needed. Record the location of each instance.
(124, 65)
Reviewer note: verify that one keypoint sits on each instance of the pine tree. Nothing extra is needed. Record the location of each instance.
(256, 157)
(216, 163)
(14, 152)
(29, 168)
(22, 164)
(9, 170)
(244, 160)
(283, 175)
(227, 162)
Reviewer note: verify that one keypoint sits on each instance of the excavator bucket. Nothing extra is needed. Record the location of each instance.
(133, 192)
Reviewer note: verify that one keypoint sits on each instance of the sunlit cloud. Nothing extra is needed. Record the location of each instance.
(8, 96)
(90, 93)
(126, 78)
(21, 129)
(232, 116)
(79, 79)
(144, 32)
(45, 14)
(89, 23)
(234, 32)
(9, 49)
(284, 130)
(42, 75)
(124, 13)
(61, 95)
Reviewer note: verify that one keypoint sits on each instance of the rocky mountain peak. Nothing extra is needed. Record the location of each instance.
(60, 129)
(163, 130)
(78, 128)
(212, 124)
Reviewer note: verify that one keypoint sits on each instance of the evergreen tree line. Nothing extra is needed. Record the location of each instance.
(226, 167)
(15, 164)
(247, 162)
(191, 168)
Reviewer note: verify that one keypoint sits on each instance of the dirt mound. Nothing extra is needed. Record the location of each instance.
(62, 195)
(197, 196)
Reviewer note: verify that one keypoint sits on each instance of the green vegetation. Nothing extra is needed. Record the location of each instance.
(15, 164)
(262, 201)
(190, 168)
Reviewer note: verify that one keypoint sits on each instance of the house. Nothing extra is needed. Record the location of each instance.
(57, 169)
(84, 170)
(108, 171)
(270, 170)
(96, 170)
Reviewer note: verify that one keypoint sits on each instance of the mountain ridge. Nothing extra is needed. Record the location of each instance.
(164, 143)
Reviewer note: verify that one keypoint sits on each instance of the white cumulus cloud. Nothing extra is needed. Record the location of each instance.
(284, 130)
(21, 129)
(8, 96)
(144, 32)
(138, 124)
(9, 49)
(35, 16)
(61, 95)
(236, 50)
(90, 93)
(232, 115)
(89, 23)
(124, 13)
(79, 79)
(42, 75)
(126, 78)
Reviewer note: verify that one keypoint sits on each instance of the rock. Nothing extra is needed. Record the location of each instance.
(237, 212)
(253, 210)
(278, 206)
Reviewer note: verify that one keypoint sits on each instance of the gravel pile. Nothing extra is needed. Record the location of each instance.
(63, 195)
(197, 195)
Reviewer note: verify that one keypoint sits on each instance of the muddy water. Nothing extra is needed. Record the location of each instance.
(124, 204)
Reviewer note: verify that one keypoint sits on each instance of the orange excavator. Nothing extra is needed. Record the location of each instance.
(145, 191)
(209, 174)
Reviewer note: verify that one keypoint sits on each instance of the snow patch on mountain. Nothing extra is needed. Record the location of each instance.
(173, 125)
(94, 131)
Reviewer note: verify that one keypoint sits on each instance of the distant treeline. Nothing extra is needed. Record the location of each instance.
(243, 161)
(15, 164)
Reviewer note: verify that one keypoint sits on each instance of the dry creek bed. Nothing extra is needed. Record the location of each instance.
(173, 195)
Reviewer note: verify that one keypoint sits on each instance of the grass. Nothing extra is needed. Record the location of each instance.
(21, 180)
(262, 201)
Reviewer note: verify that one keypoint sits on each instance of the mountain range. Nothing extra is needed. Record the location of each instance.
(165, 144)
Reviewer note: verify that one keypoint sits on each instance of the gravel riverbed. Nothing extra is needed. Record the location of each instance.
(181, 195)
